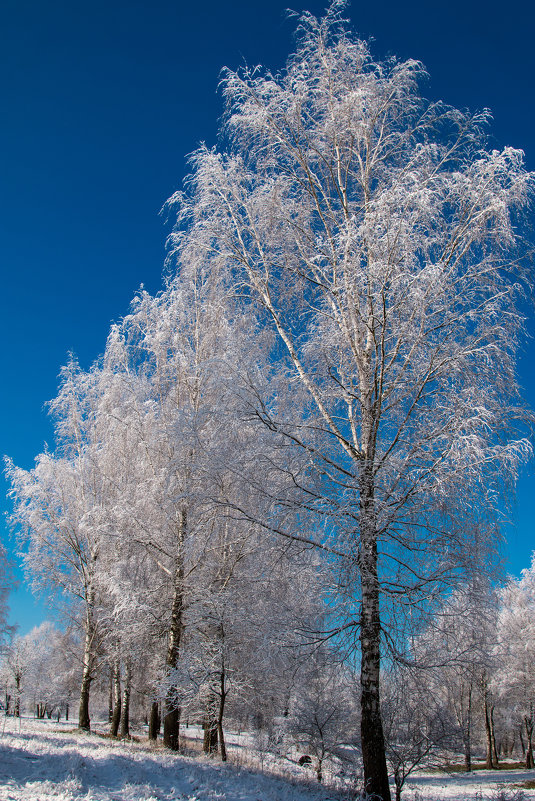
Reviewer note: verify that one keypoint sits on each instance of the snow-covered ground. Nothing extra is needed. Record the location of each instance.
(480, 785)
(46, 761)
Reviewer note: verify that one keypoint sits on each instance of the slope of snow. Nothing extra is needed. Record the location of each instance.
(44, 761)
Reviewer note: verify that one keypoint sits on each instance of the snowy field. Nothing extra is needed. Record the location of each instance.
(41, 761)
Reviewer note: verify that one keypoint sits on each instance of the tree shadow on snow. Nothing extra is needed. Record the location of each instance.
(111, 772)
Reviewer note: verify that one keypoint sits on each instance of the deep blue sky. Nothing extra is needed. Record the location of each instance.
(100, 104)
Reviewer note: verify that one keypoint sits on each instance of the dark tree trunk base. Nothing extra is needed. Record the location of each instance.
(211, 738)
(171, 722)
(154, 721)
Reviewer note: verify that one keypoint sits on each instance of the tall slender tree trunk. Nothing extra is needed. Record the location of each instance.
(84, 721)
(211, 731)
(319, 766)
(16, 711)
(488, 709)
(154, 721)
(371, 727)
(222, 698)
(171, 724)
(493, 738)
(490, 763)
(125, 717)
(528, 723)
(171, 711)
(398, 780)
(467, 730)
(210, 720)
(117, 706)
(110, 696)
(522, 744)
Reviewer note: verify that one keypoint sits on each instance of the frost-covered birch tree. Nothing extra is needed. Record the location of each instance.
(176, 421)
(6, 585)
(515, 679)
(456, 652)
(60, 514)
(376, 236)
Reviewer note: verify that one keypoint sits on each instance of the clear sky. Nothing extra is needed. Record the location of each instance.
(101, 102)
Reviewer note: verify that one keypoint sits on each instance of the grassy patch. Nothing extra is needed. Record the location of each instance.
(458, 767)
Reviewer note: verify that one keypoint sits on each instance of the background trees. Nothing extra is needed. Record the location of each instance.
(143, 518)
(60, 512)
(458, 652)
(418, 728)
(515, 679)
(37, 672)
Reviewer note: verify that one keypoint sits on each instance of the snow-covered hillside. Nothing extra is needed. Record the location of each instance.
(44, 761)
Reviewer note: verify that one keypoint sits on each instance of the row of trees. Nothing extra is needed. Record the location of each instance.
(311, 431)
(39, 672)
(469, 689)
(143, 517)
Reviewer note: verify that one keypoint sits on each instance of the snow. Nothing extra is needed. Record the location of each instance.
(479, 785)
(47, 761)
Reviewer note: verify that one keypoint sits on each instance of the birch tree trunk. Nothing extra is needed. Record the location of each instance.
(110, 697)
(116, 715)
(154, 721)
(488, 710)
(171, 712)
(125, 718)
(528, 723)
(467, 728)
(16, 711)
(222, 699)
(211, 714)
(84, 721)
(398, 780)
(493, 738)
(371, 726)
(211, 730)
(490, 762)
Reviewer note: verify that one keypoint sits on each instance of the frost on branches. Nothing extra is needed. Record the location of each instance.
(515, 680)
(312, 429)
(375, 235)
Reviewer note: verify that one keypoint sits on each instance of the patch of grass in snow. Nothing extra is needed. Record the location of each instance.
(459, 767)
(66, 731)
(104, 735)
